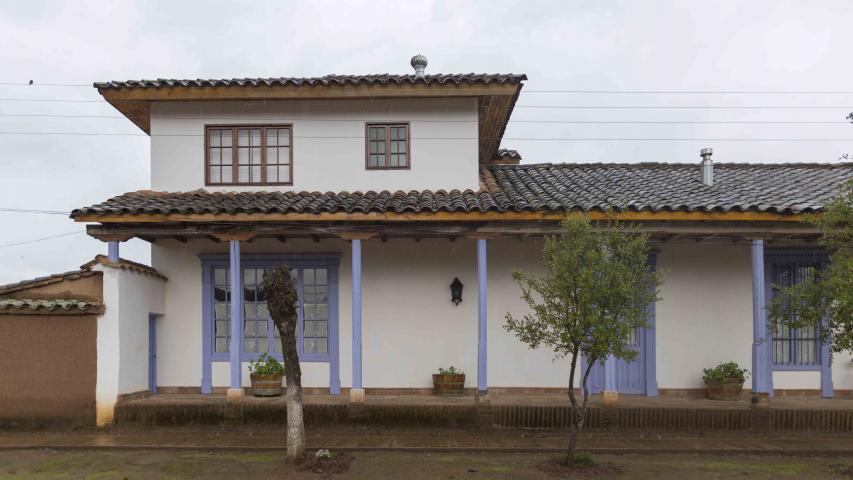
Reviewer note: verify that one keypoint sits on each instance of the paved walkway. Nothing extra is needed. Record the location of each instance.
(362, 439)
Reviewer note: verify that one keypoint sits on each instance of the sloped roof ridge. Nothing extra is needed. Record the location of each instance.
(671, 164)
(327, 79)
(43, 280)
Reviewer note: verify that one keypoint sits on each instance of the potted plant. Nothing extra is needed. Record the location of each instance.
(725, 381)
(266, 373)
(448, 381)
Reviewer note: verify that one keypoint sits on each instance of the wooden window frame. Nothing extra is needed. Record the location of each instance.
(388, 126)
(235, 152)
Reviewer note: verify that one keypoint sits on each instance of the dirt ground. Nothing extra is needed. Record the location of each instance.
(131, 465)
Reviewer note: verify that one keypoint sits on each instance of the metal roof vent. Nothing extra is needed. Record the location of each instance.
(707, 166)
(419, 63)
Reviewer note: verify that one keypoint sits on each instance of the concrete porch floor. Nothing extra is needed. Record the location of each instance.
(509, 399)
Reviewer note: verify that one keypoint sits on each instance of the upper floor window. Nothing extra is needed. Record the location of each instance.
(388, 146)
(249, 155)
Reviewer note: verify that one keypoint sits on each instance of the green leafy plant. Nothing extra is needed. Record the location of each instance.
(825, 299)
(450, 371)
(266, 365)
(584, 459)
(726, 371)
(594, 295)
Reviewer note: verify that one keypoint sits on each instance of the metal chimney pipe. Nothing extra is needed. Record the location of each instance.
(707, 166)
(419, 63)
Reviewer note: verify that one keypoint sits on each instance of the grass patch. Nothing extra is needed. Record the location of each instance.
(272, 457)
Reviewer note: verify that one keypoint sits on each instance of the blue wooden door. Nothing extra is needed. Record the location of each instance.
(630, 376)
(596, 378)
(152, 354)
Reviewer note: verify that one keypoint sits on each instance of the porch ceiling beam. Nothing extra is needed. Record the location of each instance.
(240, 236)
(666, 231)
(475, 216)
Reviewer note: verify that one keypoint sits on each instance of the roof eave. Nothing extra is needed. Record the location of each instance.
(135, 102)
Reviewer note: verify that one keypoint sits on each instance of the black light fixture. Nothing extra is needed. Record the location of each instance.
(456, 291)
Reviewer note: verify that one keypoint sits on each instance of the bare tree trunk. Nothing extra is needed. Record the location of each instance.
(577, 414)
(293, 378)
(295, 425)
(579, 411)
(280, 291)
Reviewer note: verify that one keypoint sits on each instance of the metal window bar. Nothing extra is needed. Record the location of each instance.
(794, 346)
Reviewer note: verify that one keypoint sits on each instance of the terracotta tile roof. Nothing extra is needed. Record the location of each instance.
(507, 154)
(124, 265)
(777, 188)
(46, 280)
(17, 305)
(327, 80)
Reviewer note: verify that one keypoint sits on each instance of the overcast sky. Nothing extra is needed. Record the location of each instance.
(636, 45)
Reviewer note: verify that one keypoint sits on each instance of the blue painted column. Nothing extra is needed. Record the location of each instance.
(356, 314)
(112, 251)
(761, 373)
(482, 318)
(234, 348)
(826, 388)
(651, 343)
(610, 374)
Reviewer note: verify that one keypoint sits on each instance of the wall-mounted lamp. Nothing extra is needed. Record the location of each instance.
(456, 291)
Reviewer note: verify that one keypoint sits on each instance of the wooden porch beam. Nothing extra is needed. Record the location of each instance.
(238, 236)
(437, 217)
(357, 235)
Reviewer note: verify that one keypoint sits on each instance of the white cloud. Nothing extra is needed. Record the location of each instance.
(648, 45)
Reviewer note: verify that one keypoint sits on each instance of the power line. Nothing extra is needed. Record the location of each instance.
(26, 242)
(57, 100)
(738, 107)
(39, 84)
(579, 139)
(685, 107)
(700, 92)
(25, 210)
(570, 122)
(32, 83)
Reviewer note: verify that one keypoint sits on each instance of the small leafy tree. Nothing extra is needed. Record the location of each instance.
(595, 295)
(280, 291)
(825, 299)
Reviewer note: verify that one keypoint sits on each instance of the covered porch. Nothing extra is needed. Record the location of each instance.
(665, 230)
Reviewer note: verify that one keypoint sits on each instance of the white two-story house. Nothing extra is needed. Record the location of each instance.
(380, 190)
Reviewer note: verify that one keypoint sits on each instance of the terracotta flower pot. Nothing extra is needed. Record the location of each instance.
(448, 384)
(725, 390)
(266, 385)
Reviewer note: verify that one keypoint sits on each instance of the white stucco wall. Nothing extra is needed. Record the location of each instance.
(410, 327)
(444, 148)
(122, 338)
(842, 371)
(510, 362)
(705, 315)
(179, 331)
